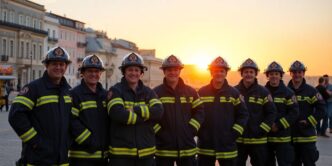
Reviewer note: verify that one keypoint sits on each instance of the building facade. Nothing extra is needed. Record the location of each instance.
(22, 39)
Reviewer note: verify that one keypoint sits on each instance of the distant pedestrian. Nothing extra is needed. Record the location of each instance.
(329, 101)
(322, 125)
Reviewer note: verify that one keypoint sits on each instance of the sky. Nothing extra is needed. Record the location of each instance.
(198, 31)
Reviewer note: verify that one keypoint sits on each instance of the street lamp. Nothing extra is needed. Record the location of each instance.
(31, 68)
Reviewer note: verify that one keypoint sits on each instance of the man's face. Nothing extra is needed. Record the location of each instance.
(297, 76)
(172, 74)
(248, 75)
(326, 80)
(133, 74)
(274, 78)
(56, 69)
(218, 74)
(91, 75)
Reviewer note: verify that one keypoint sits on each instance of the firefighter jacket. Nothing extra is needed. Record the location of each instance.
(132, 115)
(287, 112)
(89, 126)
(225, 119)
(262, 113)
(182, 118)
(312, 109)
(40, 115)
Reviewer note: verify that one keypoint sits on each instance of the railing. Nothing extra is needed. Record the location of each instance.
(23, 27)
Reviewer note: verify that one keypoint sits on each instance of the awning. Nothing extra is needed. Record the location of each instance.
(7, 77)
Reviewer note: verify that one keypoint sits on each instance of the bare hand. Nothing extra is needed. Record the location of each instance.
(274, 128)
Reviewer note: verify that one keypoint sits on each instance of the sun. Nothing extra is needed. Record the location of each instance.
(202, 64)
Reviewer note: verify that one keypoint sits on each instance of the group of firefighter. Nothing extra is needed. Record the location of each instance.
(133, 125)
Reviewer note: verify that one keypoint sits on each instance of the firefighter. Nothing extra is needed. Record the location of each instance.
(40, 114)
(225, 118)
(90, 118)
(133, 109)
(262, 113)
(311, 110)
(279, 138)
(182, 118)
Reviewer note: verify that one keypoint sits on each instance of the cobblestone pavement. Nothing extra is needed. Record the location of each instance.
(10, 145)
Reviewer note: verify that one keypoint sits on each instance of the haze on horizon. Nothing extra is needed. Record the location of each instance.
(198, 31)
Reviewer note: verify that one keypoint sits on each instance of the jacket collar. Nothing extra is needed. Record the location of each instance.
(50, 85)
(301, 87)
(178, 89)
(87, 90)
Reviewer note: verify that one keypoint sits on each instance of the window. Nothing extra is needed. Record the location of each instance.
(11, 48)
(40, 73)
(20, 20)
(34, 25)
(27, 21)
(4, 46)
(40, 25)
(34, 51)
(48, 32)
(33, 75)
(22, 49)
(28, 50)
(11, 16)
(40, 52)
(4, 15)
(53, 34)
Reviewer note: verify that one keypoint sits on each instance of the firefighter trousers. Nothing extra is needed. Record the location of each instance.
(169, 161)
(283, 153)
(306, 154)
(87, 162)
(128, 161)
(257, 153)
(211, 161)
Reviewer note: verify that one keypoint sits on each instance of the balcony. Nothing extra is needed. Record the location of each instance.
(23, 27)
(52, 40)
(81, 44)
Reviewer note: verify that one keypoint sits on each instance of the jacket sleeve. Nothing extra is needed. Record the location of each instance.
(292, 112)
(79, 131)
(197, 111)
(20, 113)
(117, 111)
(241, 114)
(270, 112)
(153, 108)
(319, 111)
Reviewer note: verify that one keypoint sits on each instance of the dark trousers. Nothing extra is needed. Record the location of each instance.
(322, 124)
(257, 153)
(87, 162)
(211, 161)
(282, 152)
(6, 103)
(115, 161)
(168, 161)
(306, 154)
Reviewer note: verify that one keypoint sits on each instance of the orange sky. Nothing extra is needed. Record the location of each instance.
(197, 31)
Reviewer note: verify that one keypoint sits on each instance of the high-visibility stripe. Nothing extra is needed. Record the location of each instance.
(25, 101)
(83, 154)
(156, 128)
(312, 120)
(28, 135)
(252, 140)
(83, 136)
(132, 151)
(131, 118)
(279, 100)
(152, 102)
(65, 164)
(289, 102)
(305, 139)
(88, 104)
(176, 153)
(219, 155)
(279, 139)
(104, 104)
(196, 103)
(308, 99)
(195, 123)
(284, 122)
(131, 104)
(236, 101)
(207, 99)
(265, 127)
(75, 111)
(260, 101)
(67, 99)
(114, 101)
(167, 99)
(47, 99)
(145, 112)
(238, 128)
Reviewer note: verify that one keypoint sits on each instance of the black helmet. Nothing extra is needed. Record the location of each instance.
(219, 62)
(274, 66)
(297, 66)
(57, 54)
(132, 59)
(249, 63)
(92, 61)
(171, 61)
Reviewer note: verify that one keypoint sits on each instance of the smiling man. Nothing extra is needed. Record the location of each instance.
(262, 113)
(90, 120)
(40, 114)
(182, 118)
(133, 109)
(279, 138)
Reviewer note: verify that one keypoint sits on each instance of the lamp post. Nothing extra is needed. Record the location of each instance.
(31, 68)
